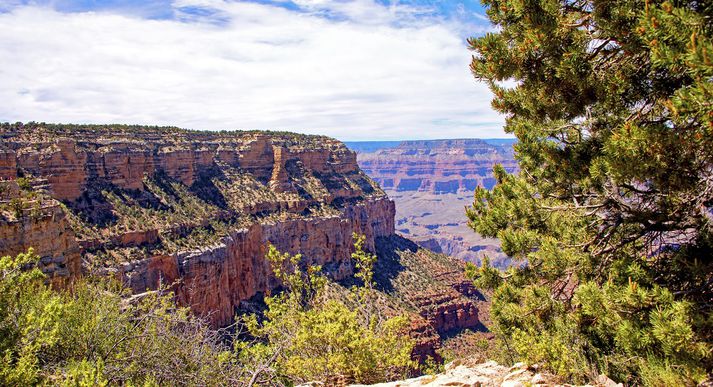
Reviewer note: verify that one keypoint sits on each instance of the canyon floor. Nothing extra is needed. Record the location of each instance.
(438, 222)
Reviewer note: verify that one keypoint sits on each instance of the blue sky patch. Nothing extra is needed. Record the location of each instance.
(164, 9)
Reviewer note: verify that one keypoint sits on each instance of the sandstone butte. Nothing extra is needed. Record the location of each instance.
(194, 212)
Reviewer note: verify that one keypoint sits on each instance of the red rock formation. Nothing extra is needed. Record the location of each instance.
(304, 195)
(131, 194)
(431, 182)
(123, 160)
(279, 180)
(149, 190)
(124, 166)
(452, 316)
(42, 226)
(62, 163)
(442, 300)
(8, 164)
(214, 279)
(137, 238)
(437, 166)
(427, 341)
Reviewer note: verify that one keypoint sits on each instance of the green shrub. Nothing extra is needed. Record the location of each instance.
(24, 183)
(307, 337)
(90, 335)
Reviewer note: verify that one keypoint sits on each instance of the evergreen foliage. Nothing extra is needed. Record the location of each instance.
(611, 213)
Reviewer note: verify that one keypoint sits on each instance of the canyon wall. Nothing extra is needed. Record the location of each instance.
(194, 212)
(42, 226)
(216, 278)
(191, 210)
(431, 182)
(431, 286)
(437, 166)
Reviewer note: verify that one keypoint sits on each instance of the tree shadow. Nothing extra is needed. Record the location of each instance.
(205, 189)
(93, 207)
(388, 264)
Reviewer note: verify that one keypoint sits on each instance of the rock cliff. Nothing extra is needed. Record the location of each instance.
(432, 287)
(39, 224)
(193, 210)
(437, 166)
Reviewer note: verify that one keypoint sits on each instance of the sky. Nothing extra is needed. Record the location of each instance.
(350, 69)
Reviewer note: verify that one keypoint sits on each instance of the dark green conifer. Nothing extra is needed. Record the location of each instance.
(611, 214)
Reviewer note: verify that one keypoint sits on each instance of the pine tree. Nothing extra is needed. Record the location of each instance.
(611, 213)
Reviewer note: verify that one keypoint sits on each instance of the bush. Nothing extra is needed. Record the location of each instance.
(95, 333)
(89, 335)
(307, 337)
(24, 184)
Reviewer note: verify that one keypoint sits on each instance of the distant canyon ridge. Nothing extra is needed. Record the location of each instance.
(432, 181)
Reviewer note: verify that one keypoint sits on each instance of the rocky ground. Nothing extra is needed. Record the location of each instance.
(488, 374)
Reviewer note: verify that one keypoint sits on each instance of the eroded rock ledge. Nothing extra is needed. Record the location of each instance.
(216, 278)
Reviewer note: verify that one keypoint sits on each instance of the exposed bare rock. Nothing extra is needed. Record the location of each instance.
(437, 166)
(72, 158)
(431, 286)
(8, 163)
(40, 224)
(123, 165)
(193, 210)
(61, 162)
(470, 373)
(216, 278)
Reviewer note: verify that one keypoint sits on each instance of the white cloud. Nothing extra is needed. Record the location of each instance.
(364, 71)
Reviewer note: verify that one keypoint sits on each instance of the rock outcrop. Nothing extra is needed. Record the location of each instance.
(431, 286)
(471, 373)
(437, 166)
(8, 163)
(216, 278)
(40, 225)
(195, 212)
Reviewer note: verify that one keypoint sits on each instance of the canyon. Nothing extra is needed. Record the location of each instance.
(431, 182)
(194, 212)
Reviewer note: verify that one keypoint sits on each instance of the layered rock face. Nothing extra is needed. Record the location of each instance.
(437, 166)
(40, 225)
(194, 210)
(8, 164)
(431, 286)
(216, 278)
(431, 182)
